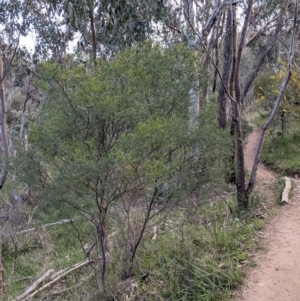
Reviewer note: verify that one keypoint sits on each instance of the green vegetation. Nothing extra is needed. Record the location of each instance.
(197, 253)
(201, 258)
(116, 145)
(126, 142)
(27, 257)
(247, 128)
(282, 153)
(281, 148)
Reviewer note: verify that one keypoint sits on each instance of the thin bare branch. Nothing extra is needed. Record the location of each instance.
(209, 25)
(264, 28)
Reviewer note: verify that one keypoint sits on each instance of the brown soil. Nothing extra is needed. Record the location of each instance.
(276, 276)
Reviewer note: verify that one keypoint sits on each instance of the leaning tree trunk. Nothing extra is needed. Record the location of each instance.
(242, 193)
(266, 52)
(284, 83)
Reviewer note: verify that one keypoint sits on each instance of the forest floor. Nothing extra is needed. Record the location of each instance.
(276, 275)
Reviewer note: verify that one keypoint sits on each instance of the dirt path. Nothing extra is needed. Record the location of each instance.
(277, 274)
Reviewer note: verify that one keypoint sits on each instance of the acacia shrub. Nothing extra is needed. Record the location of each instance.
(118, 136)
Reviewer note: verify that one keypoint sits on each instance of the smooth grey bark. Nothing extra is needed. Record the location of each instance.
(189, 16)
(4, 133)
(223, 100)
(212, 49)
(61, 222)
(200, 37)
(4, 170)
(216, 48)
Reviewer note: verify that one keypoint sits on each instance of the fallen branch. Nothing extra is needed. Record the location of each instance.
(286, 191)
(67, 270)
(34, 286)
(62, 291)
(68, 288)
(64, 221)
(32, 290)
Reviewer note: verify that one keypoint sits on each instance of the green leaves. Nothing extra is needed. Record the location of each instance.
(123, 128)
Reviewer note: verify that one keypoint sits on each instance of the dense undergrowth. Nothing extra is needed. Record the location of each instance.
(281, 150)
(116, 149)
(282, 153)
(198, 253)
(200, 250)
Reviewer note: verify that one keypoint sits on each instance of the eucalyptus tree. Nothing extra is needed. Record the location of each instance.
(236, 92)
(234, 87)
(108, 26)
(36, 18)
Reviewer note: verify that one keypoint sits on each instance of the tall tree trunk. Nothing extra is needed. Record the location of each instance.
(93, 33)
(240, 167)
(214, 87)
(223, 99)
(101, 233)
(189, 16)
(251, 26)
(236, 115)
(226, 102)
(242, 193)
(5, 157)
(240, 52)
(4, 133)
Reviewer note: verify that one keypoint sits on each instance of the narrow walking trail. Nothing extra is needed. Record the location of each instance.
(276, 276)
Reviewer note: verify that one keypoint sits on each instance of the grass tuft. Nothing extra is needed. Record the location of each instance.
(283, 153)
(199, 253)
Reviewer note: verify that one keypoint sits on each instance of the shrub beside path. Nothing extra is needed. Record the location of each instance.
(276, 276)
